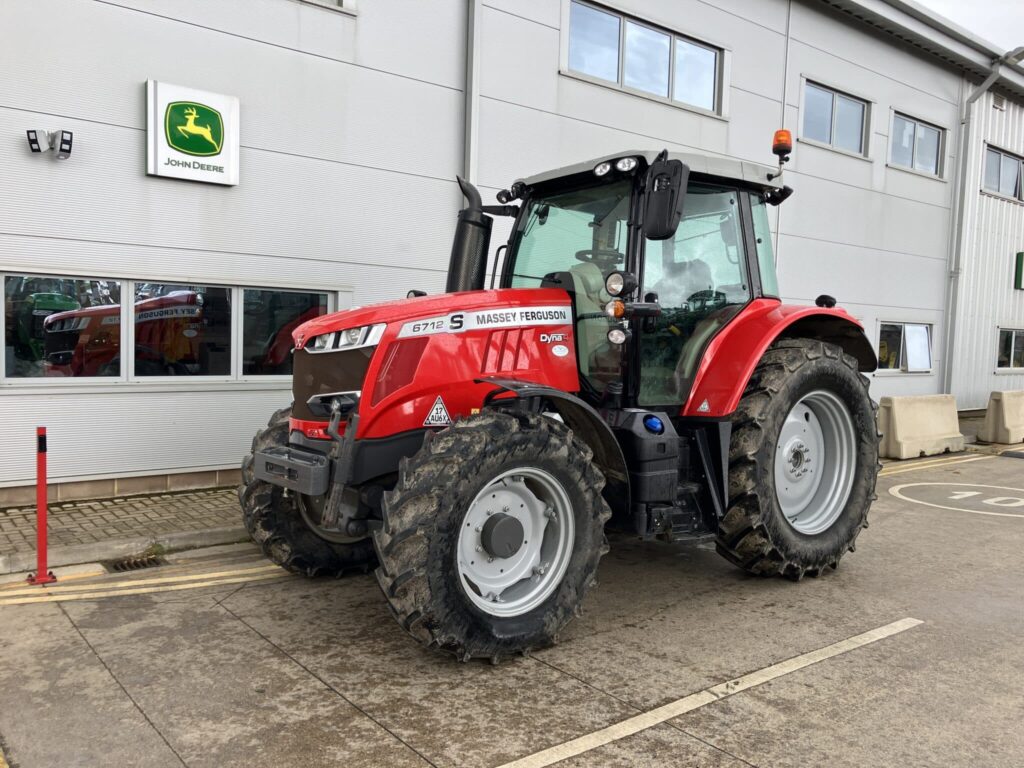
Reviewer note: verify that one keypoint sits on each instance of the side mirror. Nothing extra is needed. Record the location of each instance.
(664, 190)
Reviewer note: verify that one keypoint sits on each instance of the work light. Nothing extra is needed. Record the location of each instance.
(602, 169)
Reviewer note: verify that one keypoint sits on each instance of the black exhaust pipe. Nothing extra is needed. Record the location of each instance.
(468, 265)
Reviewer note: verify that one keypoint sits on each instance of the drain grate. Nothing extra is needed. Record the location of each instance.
(134, 563)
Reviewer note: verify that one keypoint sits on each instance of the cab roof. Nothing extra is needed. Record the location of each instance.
(710, 165)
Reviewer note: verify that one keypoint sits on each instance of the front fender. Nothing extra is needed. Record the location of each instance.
(731, 356)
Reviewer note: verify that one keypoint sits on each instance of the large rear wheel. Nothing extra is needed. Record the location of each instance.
(286, 526)
(803, 462)
(492, 535)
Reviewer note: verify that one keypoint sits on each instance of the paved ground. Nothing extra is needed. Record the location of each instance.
(86, 522)
(224, 660)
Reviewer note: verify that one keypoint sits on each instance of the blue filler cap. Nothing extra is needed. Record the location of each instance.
(653, 424)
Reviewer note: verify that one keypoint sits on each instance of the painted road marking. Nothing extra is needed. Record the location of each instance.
(58, 588)
(645, 720)
(932, 465)
(143, 591)
(995, 500)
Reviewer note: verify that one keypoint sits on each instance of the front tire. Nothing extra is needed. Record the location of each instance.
(803, 462)
(492, 535)
(283, 529)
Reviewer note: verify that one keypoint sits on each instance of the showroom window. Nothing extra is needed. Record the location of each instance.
(916, 145)
(268, 319)
(1002, 173)
(833, 118)
(643, 58)
(1011, 348)
(58, 327)
(905, 347)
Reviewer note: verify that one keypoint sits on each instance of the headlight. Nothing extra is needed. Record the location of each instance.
(625, 164)
(350, 338)
(602, 169)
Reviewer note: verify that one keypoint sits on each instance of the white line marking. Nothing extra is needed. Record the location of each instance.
(645, 720)
(935, 465)
(58, 588)
(896, 491)
(60, 598)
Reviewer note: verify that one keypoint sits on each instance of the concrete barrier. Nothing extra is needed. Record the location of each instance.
(921, 425)
(1004, 418)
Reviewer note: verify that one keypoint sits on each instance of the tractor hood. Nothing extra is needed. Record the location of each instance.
(482, 307)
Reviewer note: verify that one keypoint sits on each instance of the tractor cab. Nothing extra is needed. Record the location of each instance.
(646, 302)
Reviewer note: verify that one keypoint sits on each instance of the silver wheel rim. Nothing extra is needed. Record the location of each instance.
(517, 584)
(815, 462)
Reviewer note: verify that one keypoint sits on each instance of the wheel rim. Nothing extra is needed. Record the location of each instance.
(514, 585)
(815, 462)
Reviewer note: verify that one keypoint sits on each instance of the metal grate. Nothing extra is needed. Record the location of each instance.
(134, 563)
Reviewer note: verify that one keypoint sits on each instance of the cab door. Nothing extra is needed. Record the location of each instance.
(701, 278)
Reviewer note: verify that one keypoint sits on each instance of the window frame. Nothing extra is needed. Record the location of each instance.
(349, 7)
(127, 376)
(904, 370)
(940, 163)
(1019, 197)
(723, 56)
(866, 123)
(1008, 370)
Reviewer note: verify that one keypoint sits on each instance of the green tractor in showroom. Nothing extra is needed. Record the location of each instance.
(634, 368)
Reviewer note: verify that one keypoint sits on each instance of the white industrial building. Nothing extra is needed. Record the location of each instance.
(353, 118)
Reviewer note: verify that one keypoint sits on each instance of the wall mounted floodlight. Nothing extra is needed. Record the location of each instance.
(40, 140)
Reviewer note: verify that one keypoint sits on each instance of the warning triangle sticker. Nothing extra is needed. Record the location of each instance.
(438, 416)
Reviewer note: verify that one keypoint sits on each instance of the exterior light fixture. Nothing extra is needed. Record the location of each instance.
(40, 140)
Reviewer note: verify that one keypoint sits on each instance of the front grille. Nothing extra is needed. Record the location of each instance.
(318, 374)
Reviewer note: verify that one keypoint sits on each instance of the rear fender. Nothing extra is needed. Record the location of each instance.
(586, 424)
(732, 355)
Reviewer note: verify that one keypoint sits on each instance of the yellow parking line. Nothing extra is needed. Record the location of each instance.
(113, 585)
(931, 465)
(645, 720)
(60, 598)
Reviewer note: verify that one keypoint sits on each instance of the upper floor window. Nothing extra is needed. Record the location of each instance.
(916, 145)
(1002, 173)
(640, 57)
(834, 118)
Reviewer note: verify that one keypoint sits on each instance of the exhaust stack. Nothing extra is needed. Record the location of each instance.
(468, 265)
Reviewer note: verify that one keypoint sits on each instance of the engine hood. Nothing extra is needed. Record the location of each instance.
(443, 304)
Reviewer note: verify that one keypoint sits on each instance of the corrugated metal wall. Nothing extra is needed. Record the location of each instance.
(993, 233)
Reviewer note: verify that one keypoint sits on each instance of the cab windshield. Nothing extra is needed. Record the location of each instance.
(574, 239)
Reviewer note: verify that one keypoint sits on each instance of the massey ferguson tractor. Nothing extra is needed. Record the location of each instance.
(633, 369)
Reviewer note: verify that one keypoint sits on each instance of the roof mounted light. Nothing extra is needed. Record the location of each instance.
(602, 169)
(625, 164)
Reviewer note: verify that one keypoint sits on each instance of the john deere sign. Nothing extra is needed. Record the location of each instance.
(191, 134)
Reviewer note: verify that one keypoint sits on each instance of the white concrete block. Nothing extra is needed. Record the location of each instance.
(922, 425)
(1004, 418)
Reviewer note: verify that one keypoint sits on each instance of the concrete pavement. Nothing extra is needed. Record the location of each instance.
(220, 660)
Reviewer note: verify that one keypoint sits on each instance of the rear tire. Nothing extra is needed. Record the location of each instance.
(275, 522)
(430, 535)
(803, 462)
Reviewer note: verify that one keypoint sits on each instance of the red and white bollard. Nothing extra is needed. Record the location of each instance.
(43, 575)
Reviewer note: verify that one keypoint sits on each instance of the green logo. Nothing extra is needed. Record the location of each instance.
(194, 129)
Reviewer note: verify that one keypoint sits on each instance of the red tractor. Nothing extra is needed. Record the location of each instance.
(634, 368)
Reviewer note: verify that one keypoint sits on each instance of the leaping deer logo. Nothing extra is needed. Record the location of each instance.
(194, 128)
(190, 127)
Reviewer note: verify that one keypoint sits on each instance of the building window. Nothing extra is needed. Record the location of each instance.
(640, 57)
(268, 319)
(57, 327)
(905, 347)
(62, 328)
(1002, 173)
(916, 145)
(834, 118)
(182, 330)
(1011, 349)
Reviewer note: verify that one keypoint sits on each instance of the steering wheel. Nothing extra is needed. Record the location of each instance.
(602, 257)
